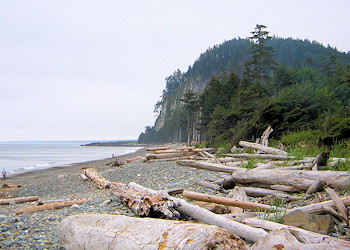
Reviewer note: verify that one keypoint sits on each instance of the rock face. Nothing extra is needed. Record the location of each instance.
(315, 223)
(102, 231)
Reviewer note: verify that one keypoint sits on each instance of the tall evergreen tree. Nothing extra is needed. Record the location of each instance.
(262, 63)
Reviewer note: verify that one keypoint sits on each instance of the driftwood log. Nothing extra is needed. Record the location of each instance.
(208, 217)
(157, 148)
(101, 231)
(227, 201)
(303, 236)
(169, 155)
(96, 177)
(260, 156)
(208, 166)
(262, 148)
(299, 179)
(145, 204)
(261, 192)
(18, 200)
(49, 206)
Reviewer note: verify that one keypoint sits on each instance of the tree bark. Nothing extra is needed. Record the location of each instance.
(102, 231)
(299, 179)
(97, 178)
(208, 166)
(18, 200)
(49, 206)
(262, 148)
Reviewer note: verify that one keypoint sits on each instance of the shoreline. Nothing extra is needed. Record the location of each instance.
(68, 166)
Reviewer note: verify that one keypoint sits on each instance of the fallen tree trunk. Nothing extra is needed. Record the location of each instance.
(49, 206)
(18, 200)
(168, 155)
(318, 207)
(97, 178)
(259, 192)
(174, 159)
(157, 148)
(101, 231)
(208, 166)
(144, 204)
(285, 188)
(208, 217)
(299, 179)
(260, 156)
(342, 210)
(262, 148)
(227, 201)
(302, 235)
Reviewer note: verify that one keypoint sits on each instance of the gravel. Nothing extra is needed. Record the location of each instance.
(39, 230)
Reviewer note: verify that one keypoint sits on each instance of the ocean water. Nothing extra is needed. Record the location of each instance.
(18, 157)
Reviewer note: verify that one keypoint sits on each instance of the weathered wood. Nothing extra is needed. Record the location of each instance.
(316, 186)
(211, 185)
(18, 200)
(342, 210)
(134, 159)
(168, 155)
(259, 166)
(284, 239)
(262, 148)
(236, 163)
(226, 182)
(260, 192)
(208, 154)
(174, 159)
(157, 148)
(84, 177)
(144, 204)
(168, 151)
(227, 201)
(230, 159)
(302, 235)
(102, 231)
(264, 140)
(208, 166)
(299, 179)
(285, 188)
(318, 207)
(208, 217)
(49, 206)
(260, 156)
(237, 194)
(93, 174)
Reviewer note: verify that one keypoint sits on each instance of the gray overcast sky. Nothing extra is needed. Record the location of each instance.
(73, 70)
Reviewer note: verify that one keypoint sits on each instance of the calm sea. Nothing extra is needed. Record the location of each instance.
(19, 157)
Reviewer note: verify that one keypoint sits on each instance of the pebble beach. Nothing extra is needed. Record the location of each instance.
(39, 230)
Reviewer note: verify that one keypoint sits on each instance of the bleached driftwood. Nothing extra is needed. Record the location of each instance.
(260, 156)
(285, 188)
(211, 185)
(96, 177)
(262, 148)
(316, 186)
(174, 159)
(237, 194)
(259, 166)
(134, 159)
(299, 179)
(157, 148)
(208, 217)
(208, 166)
(84, 177)
(264, 140)
(144, 204)
(342, 210)
(168, 155)
(318, 207)
(227, 201)
(226, 182)
(102, 231)
(259, 192)
(302, 235)
(49, 206)
(18, 200)
(230, 159)
(209, 155)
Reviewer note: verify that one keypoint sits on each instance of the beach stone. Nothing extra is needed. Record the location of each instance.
(315, 223)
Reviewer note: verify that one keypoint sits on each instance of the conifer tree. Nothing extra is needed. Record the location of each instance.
(262, 62)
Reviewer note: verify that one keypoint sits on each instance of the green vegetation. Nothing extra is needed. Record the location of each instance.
(235, 90)
(277, 212)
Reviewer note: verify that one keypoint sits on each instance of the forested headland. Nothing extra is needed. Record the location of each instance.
(234, 90)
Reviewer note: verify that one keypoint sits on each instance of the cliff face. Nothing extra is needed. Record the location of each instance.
(222, 59)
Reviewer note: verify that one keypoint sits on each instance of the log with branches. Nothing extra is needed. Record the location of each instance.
(265, 149)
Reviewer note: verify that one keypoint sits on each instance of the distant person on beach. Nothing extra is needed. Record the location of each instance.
(4, 174)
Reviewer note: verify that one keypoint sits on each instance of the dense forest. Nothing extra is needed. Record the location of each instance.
(235, 90)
